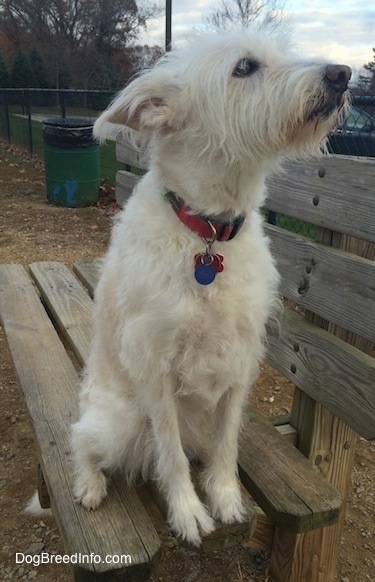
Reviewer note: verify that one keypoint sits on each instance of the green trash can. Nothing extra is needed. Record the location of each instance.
(72, 165)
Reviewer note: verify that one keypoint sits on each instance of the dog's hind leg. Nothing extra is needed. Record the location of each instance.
(103, 440)
(187, 515)
(220, 477)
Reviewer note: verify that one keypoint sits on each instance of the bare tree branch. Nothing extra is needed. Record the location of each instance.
(231, 13)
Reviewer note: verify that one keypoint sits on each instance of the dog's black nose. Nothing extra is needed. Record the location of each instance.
(338, 77)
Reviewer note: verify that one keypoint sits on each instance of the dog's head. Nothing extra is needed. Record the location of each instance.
(241, 94)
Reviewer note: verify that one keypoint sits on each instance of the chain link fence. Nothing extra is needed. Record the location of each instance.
(23, 110)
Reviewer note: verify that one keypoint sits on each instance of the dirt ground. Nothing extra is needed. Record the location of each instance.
(32, 230)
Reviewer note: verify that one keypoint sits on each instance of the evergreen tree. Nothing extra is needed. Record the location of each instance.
(21, 74)
(102, 76)
(371, 68)
(4, 72)
(38, 69)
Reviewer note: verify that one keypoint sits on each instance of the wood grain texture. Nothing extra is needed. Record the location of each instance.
(312, 557)
(329, 443)
(281, 480)
(342, 199)
(68, 303)
(334, 284)
(88, 273)
(50, 383)
(328, 369)
(288, 432)
(262, 537)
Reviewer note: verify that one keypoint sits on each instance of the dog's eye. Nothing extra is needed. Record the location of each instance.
(245, 68)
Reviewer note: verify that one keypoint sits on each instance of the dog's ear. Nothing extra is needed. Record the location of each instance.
(148, 103)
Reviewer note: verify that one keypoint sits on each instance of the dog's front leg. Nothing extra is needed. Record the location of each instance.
(220, 478)
(187, 515)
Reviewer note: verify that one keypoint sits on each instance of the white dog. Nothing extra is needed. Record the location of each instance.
(188, 282)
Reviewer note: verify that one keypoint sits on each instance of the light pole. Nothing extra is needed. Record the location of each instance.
(168, 25)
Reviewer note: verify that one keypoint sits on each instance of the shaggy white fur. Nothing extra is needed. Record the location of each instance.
(172, 361)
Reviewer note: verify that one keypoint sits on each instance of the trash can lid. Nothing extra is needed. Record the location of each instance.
(69, 122)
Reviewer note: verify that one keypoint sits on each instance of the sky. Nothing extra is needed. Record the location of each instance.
(342, 31)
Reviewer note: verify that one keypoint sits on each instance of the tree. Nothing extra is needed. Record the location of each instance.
(4, 72)
(38, 69)
(68, 33)
(231, 13)
(367, 82)
(21, 74)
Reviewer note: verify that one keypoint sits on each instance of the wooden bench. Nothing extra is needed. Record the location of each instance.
(299, 492)
(325, 347)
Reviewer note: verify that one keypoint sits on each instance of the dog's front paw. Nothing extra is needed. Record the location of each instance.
(90, 490)
(191, 522)
(226, 503)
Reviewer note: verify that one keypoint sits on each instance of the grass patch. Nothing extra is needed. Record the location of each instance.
(296, 225)
(292, 224)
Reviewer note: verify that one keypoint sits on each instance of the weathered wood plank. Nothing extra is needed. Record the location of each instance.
(333, 192)
(125, 184)
(88, 273)
(128, 152)
(313, 556)
(331, 371)
(68, 303)
(282, 481)
(50, 383)
(288, 432)
(329, 443)
(262, 537)
(334, 284)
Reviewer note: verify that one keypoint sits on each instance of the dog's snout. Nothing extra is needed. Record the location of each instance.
(338, 77)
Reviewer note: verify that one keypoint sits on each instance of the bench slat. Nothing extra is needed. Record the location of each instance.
(334, 284)
(88, 273)
(294, 495)
(127, 153)
(68, 303)
(342, 199)
(334, 373)
(50, 383)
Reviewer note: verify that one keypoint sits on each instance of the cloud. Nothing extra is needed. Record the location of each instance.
(342, 31)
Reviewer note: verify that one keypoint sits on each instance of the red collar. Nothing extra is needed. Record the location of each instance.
(201, 224)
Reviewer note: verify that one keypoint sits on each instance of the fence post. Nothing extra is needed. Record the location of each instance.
(62, 103)
(29, 122)
(6, 115)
